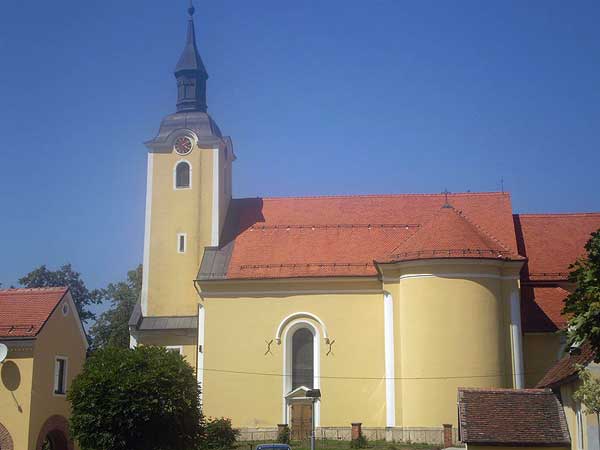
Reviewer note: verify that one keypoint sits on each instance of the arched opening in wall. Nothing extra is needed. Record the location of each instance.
(55, 440)
(54, 435)
(6, 442)
(301, 363)
(183, 175)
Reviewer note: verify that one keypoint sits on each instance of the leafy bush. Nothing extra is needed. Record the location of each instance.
(359, 442)
(283, 436)
(142, 399)
(220, 434)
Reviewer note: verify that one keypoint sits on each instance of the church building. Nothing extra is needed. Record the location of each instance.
(386, 303)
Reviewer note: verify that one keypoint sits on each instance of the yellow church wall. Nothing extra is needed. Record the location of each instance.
(183, 341)
(236, 334)
(540, 353)
(60, 336)
(170, 274)
(451, 330)
(15, 394)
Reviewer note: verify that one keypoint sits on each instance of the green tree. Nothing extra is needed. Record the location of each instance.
(141, 399)
(588, 393)
(65, 276)
(111, 328)
(583, 304)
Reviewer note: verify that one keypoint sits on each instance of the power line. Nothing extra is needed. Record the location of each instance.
(267, 374)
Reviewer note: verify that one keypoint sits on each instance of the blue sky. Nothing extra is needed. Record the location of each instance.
(320, 97)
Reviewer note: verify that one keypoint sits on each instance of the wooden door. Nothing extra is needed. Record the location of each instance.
(301, 421)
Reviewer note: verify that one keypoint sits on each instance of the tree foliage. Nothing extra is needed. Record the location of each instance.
(220, 434)
(112, 329)
(141, 399)
(65, 276)
(583, 304)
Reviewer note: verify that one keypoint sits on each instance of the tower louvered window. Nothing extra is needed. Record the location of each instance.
(302, 359)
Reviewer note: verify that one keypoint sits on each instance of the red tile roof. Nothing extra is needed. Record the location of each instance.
(542, 308)
(23, 312)
(450, 234)
(342, 236)
(523, 417)
(565, 369)
(552, 242)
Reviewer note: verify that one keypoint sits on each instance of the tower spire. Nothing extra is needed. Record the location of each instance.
(190, 72)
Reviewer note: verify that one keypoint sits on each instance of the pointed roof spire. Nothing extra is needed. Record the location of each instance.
(190, 72)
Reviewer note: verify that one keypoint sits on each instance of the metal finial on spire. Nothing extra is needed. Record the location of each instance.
(190, 72)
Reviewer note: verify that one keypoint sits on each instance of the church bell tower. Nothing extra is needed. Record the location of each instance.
(187, 194)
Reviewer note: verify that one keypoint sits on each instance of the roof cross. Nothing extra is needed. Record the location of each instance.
(446, 204)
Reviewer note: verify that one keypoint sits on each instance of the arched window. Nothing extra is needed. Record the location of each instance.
(182, 175)
(302, 359)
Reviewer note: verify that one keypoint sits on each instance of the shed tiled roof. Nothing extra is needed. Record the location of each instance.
(523, 417)
(23, 312)
(566, 368)
(542, 308)
(552, 242)
(343, 236)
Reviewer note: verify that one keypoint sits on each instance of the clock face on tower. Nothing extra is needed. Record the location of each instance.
(183, 145)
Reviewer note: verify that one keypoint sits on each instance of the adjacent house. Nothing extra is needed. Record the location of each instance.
(46, 346)
(563, 379)
(495, 419)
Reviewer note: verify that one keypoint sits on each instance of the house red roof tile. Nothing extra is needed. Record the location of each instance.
(565, 369)
(508, 417)
(23, 312)
(542, 308)
(342, 236)
(450, 234)
(552, 242)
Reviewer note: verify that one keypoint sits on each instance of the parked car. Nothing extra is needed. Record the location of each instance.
(273, 447)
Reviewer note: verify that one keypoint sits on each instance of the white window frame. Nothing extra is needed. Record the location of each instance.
(175, 175)
(178, 348)
(179, 236)
(65, 376)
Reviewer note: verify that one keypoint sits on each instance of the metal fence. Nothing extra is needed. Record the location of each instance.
(339, 437)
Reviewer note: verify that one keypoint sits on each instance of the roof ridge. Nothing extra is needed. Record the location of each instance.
(42, 289)
(540, 215)
(507, 390)
(318, 197)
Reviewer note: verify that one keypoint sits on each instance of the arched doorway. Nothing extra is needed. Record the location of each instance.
(6, 442)
(54, 435)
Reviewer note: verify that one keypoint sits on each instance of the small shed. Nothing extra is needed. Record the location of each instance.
(511, 419)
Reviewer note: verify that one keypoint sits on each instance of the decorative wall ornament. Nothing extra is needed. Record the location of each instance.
(330, 350)
(268, 347)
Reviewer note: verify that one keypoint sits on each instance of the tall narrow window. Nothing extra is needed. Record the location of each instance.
(182, 175)
(302, 359)
(60, 375)
(181, 242)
